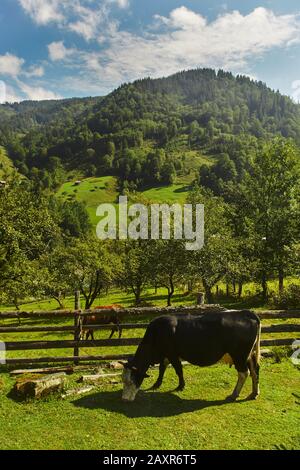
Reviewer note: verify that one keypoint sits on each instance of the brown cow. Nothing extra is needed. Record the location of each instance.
(104, 319)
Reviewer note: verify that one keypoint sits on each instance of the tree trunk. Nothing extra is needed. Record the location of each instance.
(16, 303)
(208, 293)
(170, 292)
(264, 286)
(234, 286)
(280, 280)
(227, 290)
(240, 291)
(137, 294)
(59, 300)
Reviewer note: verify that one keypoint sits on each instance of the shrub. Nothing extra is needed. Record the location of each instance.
(289, 298)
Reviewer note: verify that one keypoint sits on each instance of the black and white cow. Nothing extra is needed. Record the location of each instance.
(201, 340)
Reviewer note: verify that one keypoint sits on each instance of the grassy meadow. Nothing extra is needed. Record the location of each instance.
(197, 418)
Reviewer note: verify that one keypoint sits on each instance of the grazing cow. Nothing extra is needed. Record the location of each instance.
(201, 340)
(104, 319)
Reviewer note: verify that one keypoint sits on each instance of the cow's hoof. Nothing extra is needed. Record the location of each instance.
(252, 396)
(231, 398)
(180, 388)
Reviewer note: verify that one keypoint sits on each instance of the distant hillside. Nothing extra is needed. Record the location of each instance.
(151, 132)
(27, 115)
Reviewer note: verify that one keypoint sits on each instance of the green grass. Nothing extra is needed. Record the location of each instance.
(200, 416)
(197, 418)
(91, 191)
(164, 194)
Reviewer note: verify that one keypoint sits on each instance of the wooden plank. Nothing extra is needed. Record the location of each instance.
(281, 328)
(49, 360)
(49, 329)
(65, 344)
(34, 329)
(107, 357)
(134, 311)
(137, 311)
(279, 314)
(127, 326)
(277, 342)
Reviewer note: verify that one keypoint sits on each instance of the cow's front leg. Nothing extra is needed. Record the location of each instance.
(178, 369)
(162, 368)
(242, 376)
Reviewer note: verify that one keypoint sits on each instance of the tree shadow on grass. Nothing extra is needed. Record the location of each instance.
(157, 404)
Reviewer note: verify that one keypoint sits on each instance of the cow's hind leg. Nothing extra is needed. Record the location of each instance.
(178, 369)
(243, 372)
(254, 371)
(120, 331)
(114, 328)
(162, 368)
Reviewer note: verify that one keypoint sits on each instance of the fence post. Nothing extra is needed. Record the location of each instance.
(77, 326)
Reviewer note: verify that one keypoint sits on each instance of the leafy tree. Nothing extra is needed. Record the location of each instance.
(91, 263)
(271, 193)
(212, 262)
(27, 231)
(137, 267)
(170, 259)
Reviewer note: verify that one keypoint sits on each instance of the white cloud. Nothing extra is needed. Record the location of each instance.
(121, 3)
(89, 21)
(84, 17)
(58, 51)
(44, 11)
(183, 18)
(37, 93)
(10, 65)
(35, 71)
(184, 39)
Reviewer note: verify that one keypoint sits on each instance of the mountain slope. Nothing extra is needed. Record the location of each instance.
(150, 132)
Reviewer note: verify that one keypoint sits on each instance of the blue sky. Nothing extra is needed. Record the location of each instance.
(64, 48)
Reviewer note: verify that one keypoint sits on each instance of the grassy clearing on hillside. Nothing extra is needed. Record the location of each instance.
(91, 191)
(96, 191)
(197, 418)
(163, 194)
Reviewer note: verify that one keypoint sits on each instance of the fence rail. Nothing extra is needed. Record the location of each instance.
(74, 329)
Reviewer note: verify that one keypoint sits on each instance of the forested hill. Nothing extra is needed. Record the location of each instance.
(151, 131)
(26, 115)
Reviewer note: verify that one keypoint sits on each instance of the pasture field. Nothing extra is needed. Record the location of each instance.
(197, 418)
(94, 191)
(91, 191)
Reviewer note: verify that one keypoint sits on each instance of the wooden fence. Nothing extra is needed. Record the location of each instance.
(75, 344)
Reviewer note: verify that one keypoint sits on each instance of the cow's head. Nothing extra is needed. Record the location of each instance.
(132, 380)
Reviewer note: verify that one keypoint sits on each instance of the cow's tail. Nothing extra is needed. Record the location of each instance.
(257, 345)
(255, 353)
